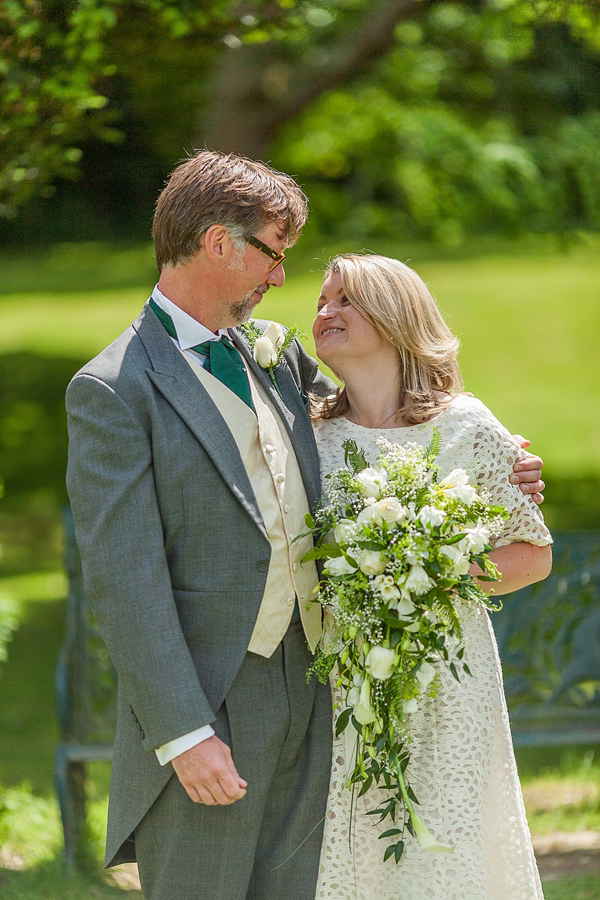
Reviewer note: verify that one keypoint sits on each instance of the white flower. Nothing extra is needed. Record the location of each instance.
(456, 486)
(425, 674)
(363, 711)
(371, 562)
(275, 334)
(418, 581)
(339, 566)
(460, 561)
(380, 662)
(475, 539)
(405, 607)
(345, 531)
(372, 481)
(425, 837)
(429, 515)
(386, 587)
(265, 352)
(369, 514)
(391, 510)
(410, 706)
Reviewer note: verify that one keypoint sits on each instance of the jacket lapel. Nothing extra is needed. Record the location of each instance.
(292, 412)
(173, 377)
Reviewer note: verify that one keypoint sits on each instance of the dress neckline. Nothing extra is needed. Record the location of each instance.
(421, 425)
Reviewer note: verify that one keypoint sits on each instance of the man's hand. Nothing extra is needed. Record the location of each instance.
(208, 774)
(527, 473)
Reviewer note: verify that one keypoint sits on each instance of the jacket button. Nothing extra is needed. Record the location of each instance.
(262, 565)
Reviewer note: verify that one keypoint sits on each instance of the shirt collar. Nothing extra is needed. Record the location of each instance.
(189, 331)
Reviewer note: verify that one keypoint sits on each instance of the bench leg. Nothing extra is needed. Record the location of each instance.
(70, 787)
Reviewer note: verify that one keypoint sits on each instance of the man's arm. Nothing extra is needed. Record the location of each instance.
(120, 536)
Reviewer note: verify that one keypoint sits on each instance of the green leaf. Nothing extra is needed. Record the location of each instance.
(388, 852)
(399, 851)
(343, 719)
(434, 446)
(391, 832)
(366, 786)
(353, 457)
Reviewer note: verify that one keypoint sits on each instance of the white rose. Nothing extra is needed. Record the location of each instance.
(275, 334)
(363, 711)
(367, 515)
(456, 486)
(391, 510)
(345, 531)
(460, 562)
(410, 706)
(475, 539)
(425, 675)
(380, 662)
(429, 515)
(372, 482)
(418, 581)
(339, 566)
(371, 562)
(265, 352)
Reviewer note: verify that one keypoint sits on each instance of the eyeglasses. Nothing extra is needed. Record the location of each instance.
(274, 254)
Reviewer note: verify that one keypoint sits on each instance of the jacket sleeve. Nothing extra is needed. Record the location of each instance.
(110, 481)
(313, 380)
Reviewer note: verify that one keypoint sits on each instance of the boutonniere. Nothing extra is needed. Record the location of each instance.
(268, 346)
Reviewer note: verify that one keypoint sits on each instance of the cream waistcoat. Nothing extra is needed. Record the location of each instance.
(268, 456)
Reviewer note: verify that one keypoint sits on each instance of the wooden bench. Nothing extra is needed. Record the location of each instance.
(549, 641)
(87, 704)
(548, 636)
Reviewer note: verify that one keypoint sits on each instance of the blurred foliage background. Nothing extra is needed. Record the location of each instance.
(463, 137)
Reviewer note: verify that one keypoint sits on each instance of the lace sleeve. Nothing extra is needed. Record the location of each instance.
(495, 451)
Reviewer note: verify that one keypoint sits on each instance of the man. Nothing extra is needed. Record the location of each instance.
(189, 475)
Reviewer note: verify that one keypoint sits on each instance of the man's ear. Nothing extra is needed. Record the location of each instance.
(216, 243)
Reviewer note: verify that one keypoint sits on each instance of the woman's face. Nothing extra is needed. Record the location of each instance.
(342, 335)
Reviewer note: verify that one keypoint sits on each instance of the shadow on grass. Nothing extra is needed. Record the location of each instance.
(577, 887)
(50, 881)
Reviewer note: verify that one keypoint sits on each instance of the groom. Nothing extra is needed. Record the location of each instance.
(189, 475)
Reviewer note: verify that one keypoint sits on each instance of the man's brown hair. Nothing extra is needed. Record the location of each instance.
(213, 188)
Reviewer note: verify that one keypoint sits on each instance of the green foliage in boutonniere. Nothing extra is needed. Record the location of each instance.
(268, 346)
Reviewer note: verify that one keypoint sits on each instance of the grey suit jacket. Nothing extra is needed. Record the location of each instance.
(174, 550)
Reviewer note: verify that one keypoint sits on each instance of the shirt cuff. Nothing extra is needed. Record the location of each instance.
(167, 752)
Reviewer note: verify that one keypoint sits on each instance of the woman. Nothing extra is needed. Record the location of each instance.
(379, 329)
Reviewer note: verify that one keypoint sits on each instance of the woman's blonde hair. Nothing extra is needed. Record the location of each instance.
(396, 301)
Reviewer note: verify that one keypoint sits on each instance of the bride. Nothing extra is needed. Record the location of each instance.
(379, 329)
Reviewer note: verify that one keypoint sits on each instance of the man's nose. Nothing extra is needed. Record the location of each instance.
(277, 276)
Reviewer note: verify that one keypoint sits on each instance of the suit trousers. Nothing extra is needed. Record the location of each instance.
(267, 845)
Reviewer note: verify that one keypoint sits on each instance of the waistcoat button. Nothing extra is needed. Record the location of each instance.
(262, 565)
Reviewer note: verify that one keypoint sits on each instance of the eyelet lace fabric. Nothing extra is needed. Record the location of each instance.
(462, 765)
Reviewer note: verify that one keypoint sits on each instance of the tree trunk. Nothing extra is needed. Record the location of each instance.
(258, 87)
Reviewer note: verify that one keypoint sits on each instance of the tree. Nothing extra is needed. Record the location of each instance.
(425, 136)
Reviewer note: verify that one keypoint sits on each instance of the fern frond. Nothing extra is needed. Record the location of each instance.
(353, 457)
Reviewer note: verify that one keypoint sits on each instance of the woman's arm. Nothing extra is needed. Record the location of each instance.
(520, 564)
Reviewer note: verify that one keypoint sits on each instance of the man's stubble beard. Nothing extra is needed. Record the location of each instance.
(242, 309)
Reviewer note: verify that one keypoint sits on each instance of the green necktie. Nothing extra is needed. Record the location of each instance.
(223, 360)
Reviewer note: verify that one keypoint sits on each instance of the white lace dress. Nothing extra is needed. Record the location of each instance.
(462, 765)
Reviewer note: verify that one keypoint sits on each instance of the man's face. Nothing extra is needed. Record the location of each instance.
(250, 276)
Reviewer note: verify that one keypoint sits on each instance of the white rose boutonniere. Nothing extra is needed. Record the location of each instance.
(268, 346)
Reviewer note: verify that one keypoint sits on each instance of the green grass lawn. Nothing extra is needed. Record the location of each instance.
(528, 319)
(528, 322)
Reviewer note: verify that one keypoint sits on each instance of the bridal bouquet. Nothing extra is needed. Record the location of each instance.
(397, 546)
